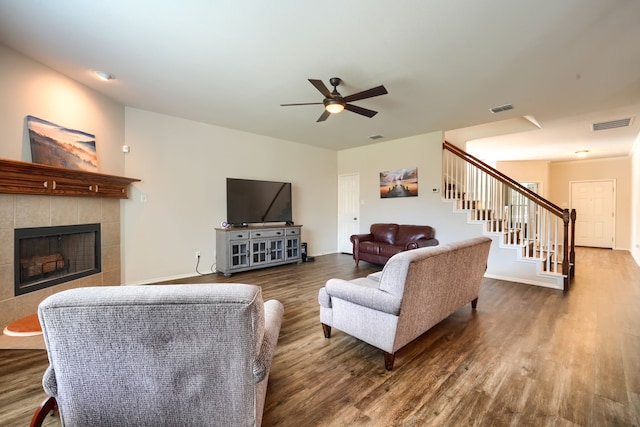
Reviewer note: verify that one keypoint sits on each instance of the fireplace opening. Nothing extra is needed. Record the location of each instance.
(47, 256)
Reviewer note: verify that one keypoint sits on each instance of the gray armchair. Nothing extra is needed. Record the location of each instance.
(159, 355)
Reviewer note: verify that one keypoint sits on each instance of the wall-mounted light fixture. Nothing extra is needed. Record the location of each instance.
(582, 153)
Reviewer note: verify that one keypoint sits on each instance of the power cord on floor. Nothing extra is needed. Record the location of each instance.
(213, 266)
(197, 264)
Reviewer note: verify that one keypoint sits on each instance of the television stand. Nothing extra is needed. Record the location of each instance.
(254, 247)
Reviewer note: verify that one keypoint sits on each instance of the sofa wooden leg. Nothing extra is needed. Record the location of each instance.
(388, 360)
(327, 330)
(474, 303)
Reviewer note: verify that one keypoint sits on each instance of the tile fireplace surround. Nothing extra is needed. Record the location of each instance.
(21, 211)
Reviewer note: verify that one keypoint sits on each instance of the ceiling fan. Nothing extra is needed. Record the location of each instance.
(335, 103)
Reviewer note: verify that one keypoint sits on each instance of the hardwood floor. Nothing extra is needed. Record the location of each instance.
(526, 356)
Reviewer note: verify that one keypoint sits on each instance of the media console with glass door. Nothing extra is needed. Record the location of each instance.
(252, 247)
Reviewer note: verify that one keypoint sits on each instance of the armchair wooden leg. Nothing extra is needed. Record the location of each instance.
(474, 303)
(327, 330)
(48, 405)
(388, 360)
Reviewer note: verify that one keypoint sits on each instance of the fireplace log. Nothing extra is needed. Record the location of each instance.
(38, 265)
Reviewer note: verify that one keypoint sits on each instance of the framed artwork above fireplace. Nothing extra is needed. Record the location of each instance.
(55, 145)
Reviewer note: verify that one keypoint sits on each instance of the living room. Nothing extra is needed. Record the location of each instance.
(183, 164)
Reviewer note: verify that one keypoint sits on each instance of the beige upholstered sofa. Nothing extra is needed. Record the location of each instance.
(416, 290)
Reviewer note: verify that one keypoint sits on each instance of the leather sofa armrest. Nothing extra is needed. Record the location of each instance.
(356, 238)
(366, 296)
(421, 243)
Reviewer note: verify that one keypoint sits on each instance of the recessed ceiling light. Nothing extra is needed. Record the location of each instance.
(375, 136)
(102, 75)
(582, 153)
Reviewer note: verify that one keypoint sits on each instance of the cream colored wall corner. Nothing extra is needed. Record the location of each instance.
(184, 164)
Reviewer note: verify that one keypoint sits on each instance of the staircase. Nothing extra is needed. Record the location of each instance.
(537, 230)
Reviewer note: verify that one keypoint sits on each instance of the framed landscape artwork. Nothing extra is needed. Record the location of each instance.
(55, 145)
(399, 183)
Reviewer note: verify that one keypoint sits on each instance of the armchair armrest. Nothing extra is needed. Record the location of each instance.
(49, 382)
(273, 312)
(370, 297)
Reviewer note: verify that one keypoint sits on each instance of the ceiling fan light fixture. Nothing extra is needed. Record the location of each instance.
(333, 106)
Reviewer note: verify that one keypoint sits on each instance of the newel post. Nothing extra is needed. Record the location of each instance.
(565, 248)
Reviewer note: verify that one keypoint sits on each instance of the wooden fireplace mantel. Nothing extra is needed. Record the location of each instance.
(32, 178)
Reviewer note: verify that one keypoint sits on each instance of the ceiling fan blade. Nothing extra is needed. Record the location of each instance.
(370, 93)
(325, 114)
(321, 87)
(360, 110)
(304, 103)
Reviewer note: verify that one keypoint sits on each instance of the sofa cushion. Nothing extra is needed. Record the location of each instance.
(389, 250)
(411, 233)
(370, 247)
(384, 233)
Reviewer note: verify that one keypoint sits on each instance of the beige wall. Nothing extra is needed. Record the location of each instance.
(184, 165)
(421, 151)
(562, 174)
(30, 88)
(528, 171)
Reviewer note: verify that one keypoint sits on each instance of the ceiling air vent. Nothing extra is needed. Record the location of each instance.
(620, 123)
(501, 108)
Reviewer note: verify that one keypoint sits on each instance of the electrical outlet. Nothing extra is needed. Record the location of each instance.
(197, 254)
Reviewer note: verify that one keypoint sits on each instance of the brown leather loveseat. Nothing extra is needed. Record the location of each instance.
(385, 240)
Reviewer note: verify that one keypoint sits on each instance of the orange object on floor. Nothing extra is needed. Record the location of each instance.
(25, 327)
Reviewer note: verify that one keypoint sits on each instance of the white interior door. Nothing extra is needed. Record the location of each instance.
(595, 212)
(348, 210)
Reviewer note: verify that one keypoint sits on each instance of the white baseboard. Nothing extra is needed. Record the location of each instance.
(524, 281)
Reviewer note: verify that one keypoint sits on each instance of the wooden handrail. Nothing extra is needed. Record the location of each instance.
(568, 217)
(558, 211)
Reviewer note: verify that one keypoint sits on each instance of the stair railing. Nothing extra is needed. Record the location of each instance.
(543, 230)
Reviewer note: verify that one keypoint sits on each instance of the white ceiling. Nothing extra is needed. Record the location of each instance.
(563, 63)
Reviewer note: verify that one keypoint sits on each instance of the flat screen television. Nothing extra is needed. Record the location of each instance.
(252, 201)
